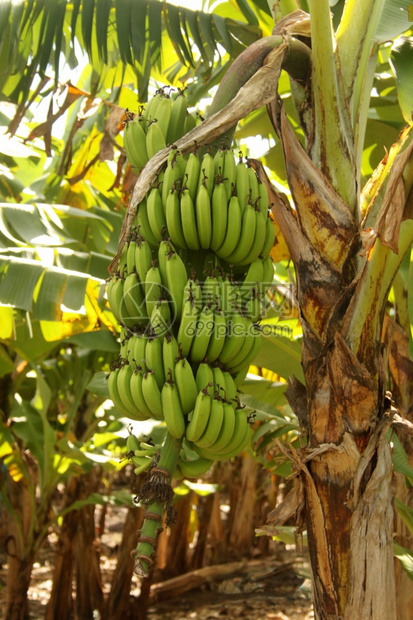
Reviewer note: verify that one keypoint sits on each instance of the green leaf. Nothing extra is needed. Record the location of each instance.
(155, 30)
(394, 20)
(138, 23)
(87, 11)
(101, 340)
(19, 281)
(173, 25)
(281, 355)
(400, 460)
(99, 385)
(103, 8)
(405, 556)
(248, 13)
(191, 18)
(401, 60)
(123, 26)
(223, 33)
(6, 363)
(405, 513)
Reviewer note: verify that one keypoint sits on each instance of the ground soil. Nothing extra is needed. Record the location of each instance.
(276, 588)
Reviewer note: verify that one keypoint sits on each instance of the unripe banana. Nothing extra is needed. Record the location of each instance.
(190, 123)
(230, 172)
(269, 238)
(151, 107)
(194, 468)
(263, 201)
(134, 299)
(213, 429)
(176, 279)
(154, 360)
(124, 389)
(124, 338)
(203, 217)
(153, 289)
(173, 220)
(137, 350)
(137, 393)
(249, 359)
(259, 239)
(242, 357)
(227, 428)
(191, 176)
(161, 318)
(152, 395)
(242, 184)
(177, 120)
(156, 215)
(204, 376)
(114, 291)
(238, 441)
(253, 182)
(207, 173)
(155, 140)
(114, 392)
(170, 353)
(130, 256)
(163, 115)
(186, 384)
(134, 142)
(204, 329)
(188, 221)
(200, 416)
(172, 180)
(240, 375)
(219, 216)
(231, 388)
(143, 258)
(172, 410)
(246, 238)
(268, 272)
(132, 443)
(233, 231)
(220, 386)
(252, 278)
(142, 222)
(217, 339)
(252, 307)
(164, 249)
(187, 327)
(235, 337)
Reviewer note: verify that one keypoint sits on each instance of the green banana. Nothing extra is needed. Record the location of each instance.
(247, 345)
(231, 388)
(203, 217)
(173, 220)
(163, 115)
(172, 179)
(268, 272)
(246, 238)
(176, 279)
(217, 339)
(253, 182)
(194, 468)
(170, 354)
(155, 140)
(154, 359)
(114, 291)
(220, 222)
(252, 278)
(240, 375)
(188, 221)
(187, 327)
(233, 231)
(191, 176)
(238, 441)
(134, 143)
(143, 258)
(134, 299)
(130, 256)
(190, 123)
(230, 172)
(200, 416)
(220, 386)
(152, 395)
(204, 329)
(156, 216)
(259, 239)
(132, 443)
(269, 238)
(164, 249)
(263, 201)
(207, 173)
(252, 307)
(186, 384)
(137, 393)
(172, 410)
(114, 392)
(153, 289)
(242, 184)
(235, 337)
(213, 428)
(177, 120)
(160, 321)
(137, 350)
(124, 389)
(142, 222)
(249, 359)
(204, 376)
(151, 107)
(227, 428)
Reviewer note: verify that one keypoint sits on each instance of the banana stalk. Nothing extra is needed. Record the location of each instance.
(157, 495)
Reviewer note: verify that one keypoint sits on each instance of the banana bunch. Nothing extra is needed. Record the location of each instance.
(163, 121)
(141, 454)
(189, 293)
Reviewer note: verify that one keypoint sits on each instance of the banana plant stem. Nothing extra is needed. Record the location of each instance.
(157, 495)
